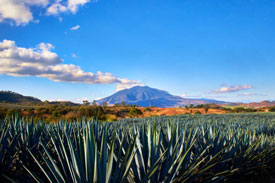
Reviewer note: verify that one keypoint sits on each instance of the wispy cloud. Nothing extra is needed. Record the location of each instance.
(74, 55)
(216, 96)
(43, 62)
(75, 28)
(190, 96)
(19, 12)
(250, 94)
(230, 89)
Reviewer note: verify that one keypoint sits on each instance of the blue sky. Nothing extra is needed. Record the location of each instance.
(192, 48)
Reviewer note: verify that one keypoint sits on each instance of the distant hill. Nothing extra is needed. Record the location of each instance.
(146, 96)
(12, 97)
(64, 103)
(264, 103)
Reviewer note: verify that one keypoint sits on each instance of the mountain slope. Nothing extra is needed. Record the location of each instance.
(12, 97)
(264, 103)
(146, 96)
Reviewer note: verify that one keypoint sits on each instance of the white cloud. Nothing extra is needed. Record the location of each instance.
(57, 100)
(42, 62)
(74, 4)
(56, 8)
(121, 86)
(65, 6)
(233, 88)
(80, 100)
(126, 83)
(20, 11)
(75, 27)
(12, 56)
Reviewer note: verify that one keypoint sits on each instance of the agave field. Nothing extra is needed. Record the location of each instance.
(187, 148)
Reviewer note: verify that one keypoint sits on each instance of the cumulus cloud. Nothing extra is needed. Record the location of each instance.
(230, 89)
(20, 11)
(56, 8)
(126, 83)
(43, 62)
(65, 6)
(75, 27)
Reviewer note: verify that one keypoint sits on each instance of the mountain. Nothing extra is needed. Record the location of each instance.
(138, 95)
(146, 96)
(12, 97)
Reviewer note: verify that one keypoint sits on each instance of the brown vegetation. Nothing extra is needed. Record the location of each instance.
(54, 112)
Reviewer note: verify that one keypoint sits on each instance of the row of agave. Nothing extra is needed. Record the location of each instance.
(189, 148)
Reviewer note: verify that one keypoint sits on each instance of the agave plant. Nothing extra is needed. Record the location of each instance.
(84, 159)
(188, 148)
(7, 152)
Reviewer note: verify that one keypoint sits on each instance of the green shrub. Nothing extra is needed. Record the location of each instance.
(147, 109)
(271, 109)
(197, 112)
(134, 112)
